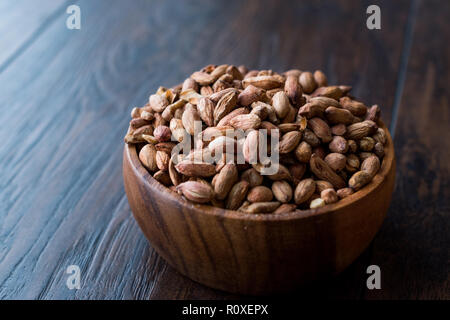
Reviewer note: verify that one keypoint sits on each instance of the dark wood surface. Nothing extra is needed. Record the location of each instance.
(65, 97)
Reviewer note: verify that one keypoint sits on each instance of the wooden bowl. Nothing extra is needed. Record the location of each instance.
(257, 253)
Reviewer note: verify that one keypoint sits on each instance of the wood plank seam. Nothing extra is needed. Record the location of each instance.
(404, 57)
(406, 50)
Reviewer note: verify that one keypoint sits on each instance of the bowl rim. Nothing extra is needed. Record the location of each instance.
(152, 184)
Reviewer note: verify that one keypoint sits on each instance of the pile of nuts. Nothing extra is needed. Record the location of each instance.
(329, 147)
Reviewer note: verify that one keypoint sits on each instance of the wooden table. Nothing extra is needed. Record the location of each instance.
(65, 98)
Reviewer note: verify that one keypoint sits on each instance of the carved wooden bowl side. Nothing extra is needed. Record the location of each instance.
(257, 253)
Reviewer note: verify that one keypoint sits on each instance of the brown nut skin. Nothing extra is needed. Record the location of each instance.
(147, 155)
(293, 72)
(159, 120)
(289, 141)
(355, 107)
(320, 128)
(373, 113)
(343, 174)
(338, 144)
(139, 122)
(245, 121)
(293, 90)
(288, 127)
(196, 191)
(261, 207)
(243, 70)
(250, 147)
(225, 121)
(297, 171)
(253, 177)
(225, 105)
(371, 165)
(360, 130)
(162, 133)
(189, 117)
(311, 138)
(338, 115)
(290, 116)
(330, 145)
(250, 73)
(135, 112)
(235, 72)
(206, 91)
(339, 129)
(364, 155)
(352, 146)
(282, 174)
(304, 190)
(345, 89)
(280, 102)
(190, 83)
(282, 191)
(366, 144)
(216, 96)
(225, 180)
(203, 78)
(269, 126)
(344, 192)
(378, 149)
(336, 161)
(311, 110)
(195, 169)
(175, 177)
(220, 85)
(162, 160)
(285, 208)
(359, 180)
(147, 129)
(146, 115)
(266, 82)
(259, 194)
(162, 177)
(249, 95)
(307, 82)
(260, 111)
(323, 171)
(329, 91)
(353, 163)
(205, 109)
(322, 185)
(380, 136)
(237, 195)
(303, 152)
(329, 196)
(165, 146)
(320, 78)
(320, 152)
(158, 102)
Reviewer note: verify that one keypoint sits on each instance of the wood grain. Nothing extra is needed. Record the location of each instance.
(412, 248)
(64, 106)
(22, 22)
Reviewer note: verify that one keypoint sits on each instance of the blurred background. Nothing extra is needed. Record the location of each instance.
(66, 96)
